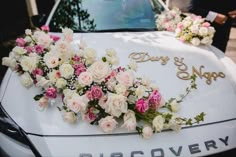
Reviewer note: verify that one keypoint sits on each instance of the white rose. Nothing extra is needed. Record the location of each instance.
(175, 106)
(90, 53)
(28, 39)
(126, 78)
(42, 38)
(10, 62)
(140, 91)
(66, 70)
(51, 60)
(110, 52)
(68, 34)
(26, 80)
(133, 65)
(53, 76)
(130, 124)
(187, 23)
(211, 30)
(132, 99)
(158, 123)
(116, 104)
(19, 50)
(42, 81)
(107, 124)
(154, 87)
(194, 29)
(203, 31)
(175, 123)
(113, 60)
(130, 120)
(195, 41)
(206, 40)
(28, 63)
(70, 117)
(61, 83)
(147, 132)
(120, 89)
(85, 78)
(68, 94)
(111, 84)
(77, 103)
(43, 102)
(28, 32)
(146, 81)
(99, 71)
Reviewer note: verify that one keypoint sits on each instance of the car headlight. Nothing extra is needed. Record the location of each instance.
(9, 128)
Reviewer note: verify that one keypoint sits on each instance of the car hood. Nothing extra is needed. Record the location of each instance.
(217, 98)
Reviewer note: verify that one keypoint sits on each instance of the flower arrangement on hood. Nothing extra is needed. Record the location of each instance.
(168, 20)
(195, 30)
(91, 88)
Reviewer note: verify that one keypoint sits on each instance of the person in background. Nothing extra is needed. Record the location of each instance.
(220, 13)
(183, 5)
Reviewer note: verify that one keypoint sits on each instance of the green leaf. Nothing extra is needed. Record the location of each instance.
(38, 97)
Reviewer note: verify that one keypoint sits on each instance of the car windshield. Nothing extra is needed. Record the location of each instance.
(105, 15)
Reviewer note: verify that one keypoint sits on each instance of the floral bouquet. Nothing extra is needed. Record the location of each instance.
(91, 88)
(193, 29)
(168, 20)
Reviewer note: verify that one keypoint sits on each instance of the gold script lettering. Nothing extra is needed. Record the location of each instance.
(145, 57)
(182, 67)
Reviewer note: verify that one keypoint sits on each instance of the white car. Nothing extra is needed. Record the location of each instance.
(129, 27)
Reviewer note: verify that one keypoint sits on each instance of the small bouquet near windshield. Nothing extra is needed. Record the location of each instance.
(188, 28)
(92, 88)
(195, 30)
(168, 20)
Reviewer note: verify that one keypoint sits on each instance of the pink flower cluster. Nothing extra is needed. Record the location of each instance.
(51, 92)
(79, 68)
(95, 93)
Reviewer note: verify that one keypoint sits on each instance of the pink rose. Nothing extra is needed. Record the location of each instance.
(89, 95)
(154, 99)
(96, 92)
(37, 71)
(206, 24)
(29, 49)
(79, 68)
(180, 25)
(39, 49)
(43, 102)
(54, 38)
(141, 105)
(20, 42)
(51, 92)
(147, 132)
(45, 28)
(107, 124)
(125, 78)
(77, 104)
(85, 78)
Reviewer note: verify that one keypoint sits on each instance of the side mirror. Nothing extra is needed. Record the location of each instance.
(38, 20)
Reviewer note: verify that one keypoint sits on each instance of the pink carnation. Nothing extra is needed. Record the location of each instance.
(96, 92)
(29, 49)
(20, 42)
(51, 92)
(45, 28)
(141, 105)
(54, 38)
(154, 99)
(76, 58)
(79, 68)
(39, 49)
(37, 71)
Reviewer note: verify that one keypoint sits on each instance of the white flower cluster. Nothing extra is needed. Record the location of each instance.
(195, 30)
(168, 20)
